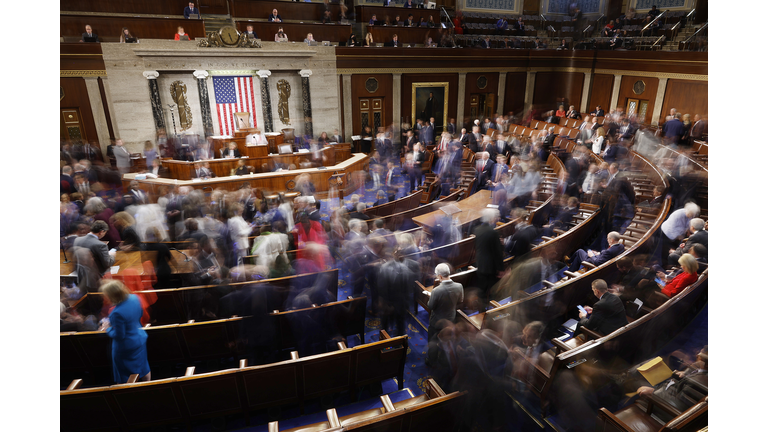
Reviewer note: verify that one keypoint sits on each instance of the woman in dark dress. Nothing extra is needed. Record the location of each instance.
(162, 268)
(124, 223)
(129, 340)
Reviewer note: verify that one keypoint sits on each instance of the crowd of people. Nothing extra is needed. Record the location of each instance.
(99, 218)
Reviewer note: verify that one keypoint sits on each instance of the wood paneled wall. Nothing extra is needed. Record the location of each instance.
(514, 92)
(602, 87)
(359, 91)
(165, 7)
(453, 85)
(687, 97)
(472, 87)
(293, 11)
(551, 86)
(626, 92)
(76, 96)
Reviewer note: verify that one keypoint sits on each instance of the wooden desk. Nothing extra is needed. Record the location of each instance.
(471, 210)
(297, 32)
(184, 170)
(141, 27)
(364, 13)
(132, 260)
(272, 181)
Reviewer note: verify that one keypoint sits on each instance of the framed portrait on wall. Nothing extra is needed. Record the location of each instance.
(430, 100)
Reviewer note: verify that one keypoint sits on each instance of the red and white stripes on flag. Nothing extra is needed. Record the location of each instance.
(233, 94)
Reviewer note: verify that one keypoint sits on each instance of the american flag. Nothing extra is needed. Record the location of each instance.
(233, 94)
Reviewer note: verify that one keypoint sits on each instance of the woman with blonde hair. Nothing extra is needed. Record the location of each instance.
(123, 326)
(369, 40)
(597, 141)
(690, 266)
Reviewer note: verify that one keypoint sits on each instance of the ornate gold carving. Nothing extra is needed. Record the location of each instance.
(284, 92)
(228, 37)
(81, 73)
(179, 96)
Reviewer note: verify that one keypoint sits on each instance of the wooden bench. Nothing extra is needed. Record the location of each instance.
(232, 391)
(693, 418)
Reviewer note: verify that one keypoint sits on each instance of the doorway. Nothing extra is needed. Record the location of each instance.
(371, 113)
(482, 105)
(72, 128)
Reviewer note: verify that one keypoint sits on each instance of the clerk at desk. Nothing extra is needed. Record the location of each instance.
(231, 151)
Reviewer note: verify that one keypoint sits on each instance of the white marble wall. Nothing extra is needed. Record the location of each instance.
(164, 82)
(129, 91)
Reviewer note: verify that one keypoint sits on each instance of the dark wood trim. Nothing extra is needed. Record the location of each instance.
(107, 116)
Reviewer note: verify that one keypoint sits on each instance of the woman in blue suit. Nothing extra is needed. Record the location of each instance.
(129, 340)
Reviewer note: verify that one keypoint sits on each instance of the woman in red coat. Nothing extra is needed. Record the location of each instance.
(683, 280)
(309, 231)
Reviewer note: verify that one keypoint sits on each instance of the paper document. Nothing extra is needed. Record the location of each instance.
(655, 371)
(570, 324)
(450, 209)
(114, 269)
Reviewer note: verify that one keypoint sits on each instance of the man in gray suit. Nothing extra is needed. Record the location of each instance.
(122, 157)
(93, 260)
(442, 304)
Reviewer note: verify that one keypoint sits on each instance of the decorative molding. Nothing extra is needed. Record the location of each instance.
(366, 71)
(200, 74)
(247, 72)
(81, 73)
(691, 77)
(150, 75)
(264, 73)
(220, 52)
(305, 73)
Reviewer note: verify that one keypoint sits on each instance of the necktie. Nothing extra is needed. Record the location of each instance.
(389, 178)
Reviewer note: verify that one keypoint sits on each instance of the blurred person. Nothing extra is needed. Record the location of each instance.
(242, 168)
(598, 258)
(607, 315)
(124, 223)
(490, 254)
(158, 170)
(153, 243)
(98, 210)
(634, 280)
(203, 172)
(122, 157)
(93, 260)
(443, 301)
(675, 227)
(150, 154)
(239, 230)
(129, 340)
(139, 196)
(396, 281)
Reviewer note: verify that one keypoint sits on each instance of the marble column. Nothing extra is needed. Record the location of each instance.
(306, 100)
(205, 105)
(397, 105)
(99, 116)
(502, 91)
(154, 99)
(530, 82)
(460, 99)
(266, 102)
(346, 85)
(585, 92)
(614, 93)
(654, 120)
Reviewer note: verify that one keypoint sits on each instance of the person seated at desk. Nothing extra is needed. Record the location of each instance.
(275, 17)
(180, 33)
(410, 22)
(408, 4)
(486, 43)
(352, 41)
(126, 36)
(250, 33)
(393, 42)
(598, 258)
(607, 315)
(159, 170)
(372, 21)
(191, 10)
(89, 34)
(688, 276)
(309, 39)
(280, 36)
(242, 169)
(202, 171)
(231, 151)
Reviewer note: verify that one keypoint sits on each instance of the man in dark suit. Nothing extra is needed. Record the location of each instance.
(67, 183)
(410, 22)
(427, 134)
(410, 141)
(393, 42)
(598, 258)
(93, 260)
(464, 137)
(699, 128)
(607, 315)
(359, 212)
(673, 129)
(201, 171)
(486, 43)
(89, 33)
(475, 138)
(598, 112)
(250, 33)
(139, 196)
(442, 305)
(490, 253)
(451, 127)
(191, 10)
(274, 17)
(483, 170)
